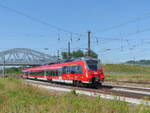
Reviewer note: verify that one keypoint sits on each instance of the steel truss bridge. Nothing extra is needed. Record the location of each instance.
(24, 57)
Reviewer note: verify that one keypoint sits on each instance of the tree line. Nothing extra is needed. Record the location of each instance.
(78, 53)
(140, 62)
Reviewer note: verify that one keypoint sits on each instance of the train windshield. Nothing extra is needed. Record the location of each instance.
(92, 64)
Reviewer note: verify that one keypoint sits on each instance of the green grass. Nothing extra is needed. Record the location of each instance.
(126, 68)
(17, 97)
(129, 77)
(122, 72)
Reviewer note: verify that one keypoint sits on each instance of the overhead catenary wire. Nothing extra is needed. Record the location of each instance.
(125, 36)
(72, 33)
(127, 47)
(146, 16)
(79, 34)
(37, 19)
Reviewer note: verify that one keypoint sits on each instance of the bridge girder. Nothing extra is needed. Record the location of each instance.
(24, 56)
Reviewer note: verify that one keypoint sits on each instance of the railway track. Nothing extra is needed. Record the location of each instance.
(130, 94)
(129, 82)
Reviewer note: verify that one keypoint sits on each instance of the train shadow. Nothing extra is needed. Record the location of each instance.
(99, 87)
(71, 85)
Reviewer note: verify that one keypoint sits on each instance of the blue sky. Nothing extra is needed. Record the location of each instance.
(79, 16)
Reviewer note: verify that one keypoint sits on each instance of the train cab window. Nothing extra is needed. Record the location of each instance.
(92, 64)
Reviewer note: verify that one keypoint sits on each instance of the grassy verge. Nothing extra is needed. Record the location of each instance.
(130, 77)
(122, 72)
(17, 97)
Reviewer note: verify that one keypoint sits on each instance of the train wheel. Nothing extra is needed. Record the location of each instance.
(97, 85)
(100, 84)
(49, 80)
(77, 83)
(74, 83)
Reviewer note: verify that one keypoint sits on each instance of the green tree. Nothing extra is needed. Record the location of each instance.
(92, 54)
(78, 53)
(64, 55)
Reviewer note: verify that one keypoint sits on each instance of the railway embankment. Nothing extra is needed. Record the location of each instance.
(127, 74)
(18, 97)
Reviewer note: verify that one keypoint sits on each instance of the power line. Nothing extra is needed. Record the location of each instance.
(125, 36)
(60, 29)
(126, 23)
(137, 32)
(37, 20)
(129, 47)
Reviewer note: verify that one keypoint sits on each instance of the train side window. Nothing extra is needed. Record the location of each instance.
(52, 74)
(69, 68)
(48, 73)
(72, 70)
(59, 72)
(41, 73)
(31, 73)
(35, 73)
(79, 70)
(64, 69)
(56, 72)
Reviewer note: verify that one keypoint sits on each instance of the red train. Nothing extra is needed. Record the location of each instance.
(80, 71)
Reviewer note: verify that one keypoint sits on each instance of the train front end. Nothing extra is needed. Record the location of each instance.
(94, 71)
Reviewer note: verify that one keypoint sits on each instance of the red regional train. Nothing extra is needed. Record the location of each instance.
(80, 71)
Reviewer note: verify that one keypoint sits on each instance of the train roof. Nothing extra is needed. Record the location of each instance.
(73, 59)
(59, 63)
(52, 66)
